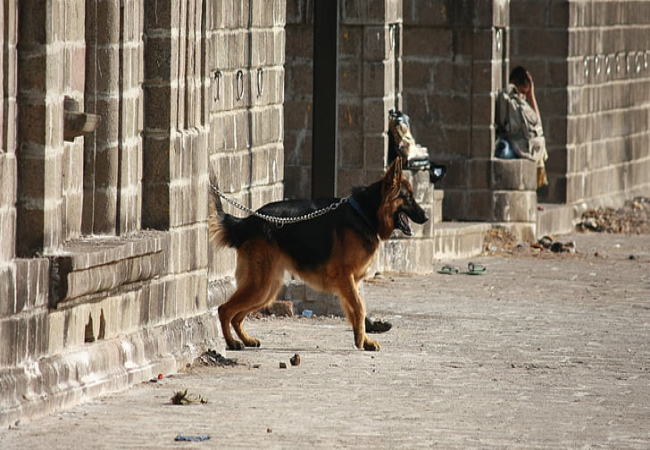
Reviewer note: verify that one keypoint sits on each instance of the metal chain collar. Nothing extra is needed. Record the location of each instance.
(280, 221)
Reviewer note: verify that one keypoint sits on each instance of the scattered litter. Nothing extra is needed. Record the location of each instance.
(547, 243)
(377, 325)
(543, 244)
(295, 360)
(160, 376)
(181, 437)
(559, 247)
(283, 365)
(500, 240)
(185, 398)
(307, 313)
(632, 218)
(212, 358)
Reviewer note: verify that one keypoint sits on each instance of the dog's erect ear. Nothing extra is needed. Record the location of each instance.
(390, 188)
(393, 179)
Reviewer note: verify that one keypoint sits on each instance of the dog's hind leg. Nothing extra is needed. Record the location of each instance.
(259, 277)
(263, 300)
(354, 309)
(229, 310)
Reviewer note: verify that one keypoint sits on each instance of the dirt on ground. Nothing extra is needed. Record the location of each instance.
(633, 218)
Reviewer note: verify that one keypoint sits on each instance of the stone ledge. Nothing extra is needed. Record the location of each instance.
(51, 384)
(102, 264)
(523, 231)
(555, 219)
(455, 240)
(220, 290)
(513, 174)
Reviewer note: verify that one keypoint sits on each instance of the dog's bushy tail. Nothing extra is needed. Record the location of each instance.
(220, 223)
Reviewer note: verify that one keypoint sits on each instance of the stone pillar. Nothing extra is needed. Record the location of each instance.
(40, 206)
(177, 93)
(101, 152)
(175, 160)
(8, 129)
(161, 65)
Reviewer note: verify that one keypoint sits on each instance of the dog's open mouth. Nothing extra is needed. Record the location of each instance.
(403, 224)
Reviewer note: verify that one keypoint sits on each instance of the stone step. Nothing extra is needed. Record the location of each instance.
(455, 240)
(555, 219)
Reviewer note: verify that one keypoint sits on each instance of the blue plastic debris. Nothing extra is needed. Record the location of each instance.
(180, 437)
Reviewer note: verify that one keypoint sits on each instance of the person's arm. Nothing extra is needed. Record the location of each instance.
(531, 95)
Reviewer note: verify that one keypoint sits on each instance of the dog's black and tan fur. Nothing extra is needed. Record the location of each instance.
(331, 253)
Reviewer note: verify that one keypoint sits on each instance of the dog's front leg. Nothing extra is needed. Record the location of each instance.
(355, 311)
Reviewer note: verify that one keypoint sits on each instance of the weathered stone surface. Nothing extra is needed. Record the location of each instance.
(177, 109)
(451, 341)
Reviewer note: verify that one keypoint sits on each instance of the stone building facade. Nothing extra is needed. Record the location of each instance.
(115, 117)
(588, 60)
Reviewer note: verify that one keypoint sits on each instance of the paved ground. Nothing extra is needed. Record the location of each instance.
(542, 351)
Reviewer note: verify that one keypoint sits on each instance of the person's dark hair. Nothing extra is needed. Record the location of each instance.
(518, 76)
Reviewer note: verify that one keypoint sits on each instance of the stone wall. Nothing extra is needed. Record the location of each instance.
(608, 132)
(104, 252)
(369, 85)
(593, 77)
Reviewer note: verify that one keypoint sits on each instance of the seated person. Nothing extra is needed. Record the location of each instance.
(519, 124)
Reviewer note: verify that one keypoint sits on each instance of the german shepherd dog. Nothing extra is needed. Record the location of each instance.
(331, 252)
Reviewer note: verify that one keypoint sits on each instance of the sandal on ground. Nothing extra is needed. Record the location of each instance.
(476, 269)
(448, 270)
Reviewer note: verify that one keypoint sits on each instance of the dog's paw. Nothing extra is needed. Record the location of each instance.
(371, 346)
(235, 345)
(252, 342)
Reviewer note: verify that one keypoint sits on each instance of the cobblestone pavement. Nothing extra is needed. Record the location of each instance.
(542, 351)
